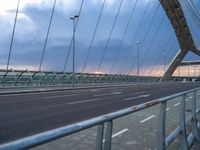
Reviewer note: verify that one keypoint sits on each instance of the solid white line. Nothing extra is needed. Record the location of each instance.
(168, 108)
(132, 98)
(32, 93)
(58, 96)
(86, 101)
(176, 104)
(19, 94)
(142, 121)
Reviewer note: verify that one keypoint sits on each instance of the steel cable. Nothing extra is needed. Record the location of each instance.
(145, 36)
(159, 56)
(155, 34)
(123, 37)
(13, 34)
(147, 32)
(47, 35)
(172, 47)
(138, 29)
(112, 29)
(70, 46)
(93, 36)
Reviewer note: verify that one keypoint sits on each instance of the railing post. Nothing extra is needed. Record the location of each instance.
(99, 139)
(183, 136)
(161, 127)
(194, 127)
(108, 136)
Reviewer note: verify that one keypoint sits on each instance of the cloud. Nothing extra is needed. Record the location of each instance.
(33, 22)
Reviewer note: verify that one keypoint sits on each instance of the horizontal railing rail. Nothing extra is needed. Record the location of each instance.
(162, 143)
(34, 78)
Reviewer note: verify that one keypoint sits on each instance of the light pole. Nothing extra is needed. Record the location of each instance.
(138, 58)
(188, 73)
(73, 63)
(164, 61)
(179, 68)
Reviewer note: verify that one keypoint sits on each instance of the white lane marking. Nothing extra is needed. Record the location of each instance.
(84, 101)
(118, 133)
(168, 109)
(58, 96)
(190, 97)
(142, 121)
(94, 90)
(19, 94)
(32, 93)
(140, 96)
(176, 104)
(80, 91)
(106, 94)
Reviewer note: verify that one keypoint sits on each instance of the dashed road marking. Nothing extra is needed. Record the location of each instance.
(58, 96)
(118, 133)
(106, 94)
(94, 90)
(168, 109)
(151, 117)
(84, 101)
(176, 104)
(132, 98)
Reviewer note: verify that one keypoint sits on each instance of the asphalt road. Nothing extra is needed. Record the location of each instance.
(26, 114)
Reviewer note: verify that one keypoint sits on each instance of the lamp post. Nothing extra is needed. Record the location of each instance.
(164, 62)
(138, 58)
(179, 69)
(73, 63)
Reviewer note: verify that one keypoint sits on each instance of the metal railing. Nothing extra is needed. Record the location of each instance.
(17, 78)
(105, 126)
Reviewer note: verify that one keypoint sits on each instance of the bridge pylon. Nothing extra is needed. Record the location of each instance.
(176, 16)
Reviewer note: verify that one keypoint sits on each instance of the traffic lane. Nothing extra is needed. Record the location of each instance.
(24, 108)
(22, 111)
(40, 123)
(56, 94)
(17, 97)
(42, 101)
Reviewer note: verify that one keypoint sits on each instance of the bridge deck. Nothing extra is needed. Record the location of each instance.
(27, 114)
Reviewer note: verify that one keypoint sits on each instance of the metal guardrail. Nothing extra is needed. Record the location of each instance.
(105, 122)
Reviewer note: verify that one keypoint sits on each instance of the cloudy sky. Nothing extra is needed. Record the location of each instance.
(158, 38)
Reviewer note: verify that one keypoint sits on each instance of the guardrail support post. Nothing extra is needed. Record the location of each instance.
(194, 127)
(99, 140)
(161, 127)
(183, 136)
(108, 136)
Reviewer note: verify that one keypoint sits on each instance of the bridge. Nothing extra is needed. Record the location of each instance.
(100, 74)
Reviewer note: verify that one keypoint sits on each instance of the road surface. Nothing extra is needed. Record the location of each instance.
(25, 114)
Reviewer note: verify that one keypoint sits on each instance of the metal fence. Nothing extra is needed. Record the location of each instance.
(12, 78)
(105, 126)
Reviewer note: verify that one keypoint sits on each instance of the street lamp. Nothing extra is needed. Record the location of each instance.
(164, 61)
(138, 57)
(179, 68)
(74, 30)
